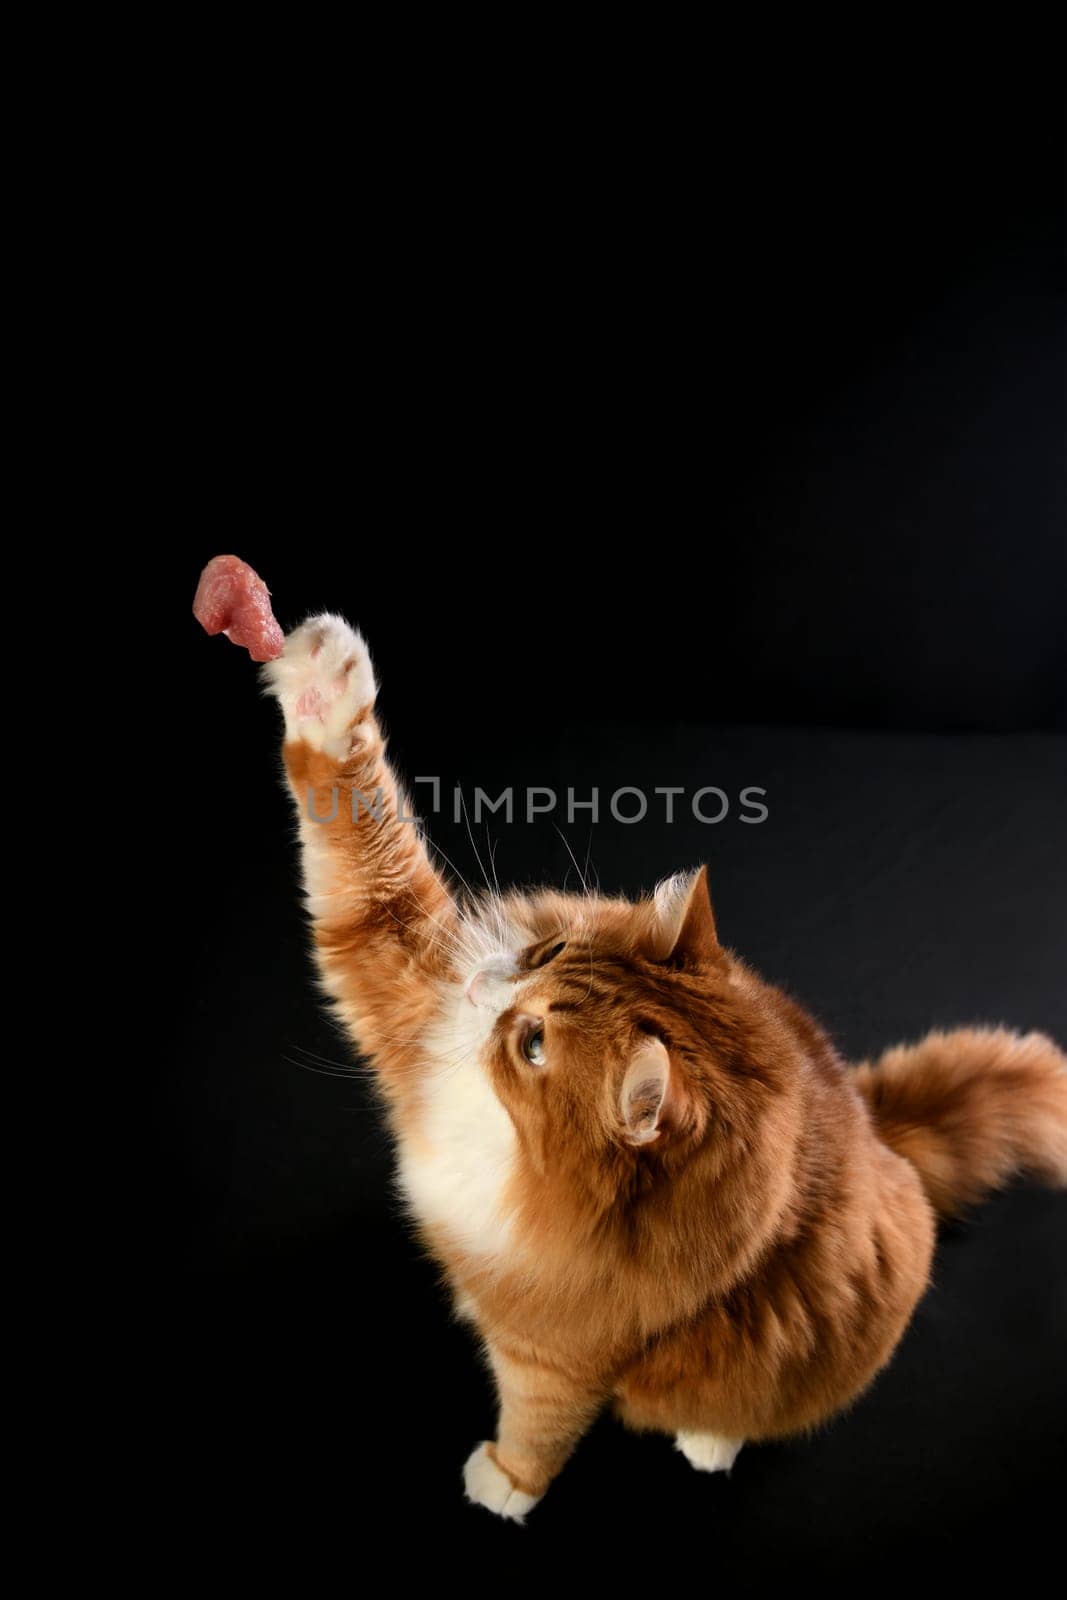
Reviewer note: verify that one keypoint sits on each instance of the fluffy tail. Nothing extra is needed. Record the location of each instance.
(971, 1108)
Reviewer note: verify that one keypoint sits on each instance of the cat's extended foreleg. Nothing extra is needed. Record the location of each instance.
(382, 916)
(543, 1414)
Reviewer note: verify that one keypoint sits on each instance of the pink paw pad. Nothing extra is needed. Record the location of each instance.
(309, 704)
(314, 702)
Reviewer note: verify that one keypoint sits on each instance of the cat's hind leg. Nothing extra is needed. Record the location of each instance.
(708, 1452)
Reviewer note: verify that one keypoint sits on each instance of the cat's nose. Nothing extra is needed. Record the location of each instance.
(474, 987)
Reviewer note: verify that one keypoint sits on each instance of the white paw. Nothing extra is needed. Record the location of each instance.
(324, 681)
(488, 1486)
(708, 1452)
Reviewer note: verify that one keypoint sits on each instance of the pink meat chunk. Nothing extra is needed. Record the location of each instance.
(234, 600)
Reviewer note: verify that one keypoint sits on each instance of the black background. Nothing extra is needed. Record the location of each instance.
(783, 507)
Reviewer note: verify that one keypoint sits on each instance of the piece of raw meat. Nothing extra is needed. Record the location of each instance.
(234, 600)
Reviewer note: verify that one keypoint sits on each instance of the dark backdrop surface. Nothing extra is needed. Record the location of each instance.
(820, 551)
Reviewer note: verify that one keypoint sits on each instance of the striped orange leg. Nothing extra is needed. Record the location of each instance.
(543, 1414)
(382, 917)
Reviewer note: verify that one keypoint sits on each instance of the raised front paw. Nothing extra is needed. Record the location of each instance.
(488, 1485)
(324, 682)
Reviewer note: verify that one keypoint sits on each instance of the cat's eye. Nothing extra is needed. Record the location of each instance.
(533, 1046)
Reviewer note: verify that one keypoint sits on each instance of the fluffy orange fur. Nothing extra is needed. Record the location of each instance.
(717, 1227)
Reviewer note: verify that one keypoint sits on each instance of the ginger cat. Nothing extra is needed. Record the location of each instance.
(648, 1177)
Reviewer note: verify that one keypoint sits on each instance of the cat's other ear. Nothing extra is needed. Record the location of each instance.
(653, 1099)
(684, 921)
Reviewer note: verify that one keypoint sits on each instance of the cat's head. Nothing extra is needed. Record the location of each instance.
(623, 1036)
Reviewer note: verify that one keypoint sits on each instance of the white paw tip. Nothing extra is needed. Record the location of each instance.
(323, 680)
(708, 1452)
(487, 1485)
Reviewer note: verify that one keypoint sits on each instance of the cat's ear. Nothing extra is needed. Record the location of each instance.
(653, 1099)
(684, 920)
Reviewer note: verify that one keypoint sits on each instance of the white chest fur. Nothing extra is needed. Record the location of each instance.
(455, 1170)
